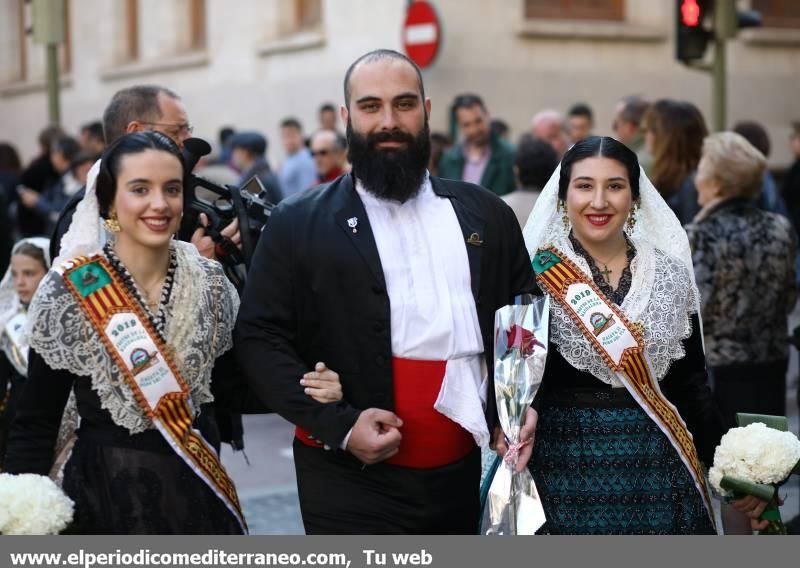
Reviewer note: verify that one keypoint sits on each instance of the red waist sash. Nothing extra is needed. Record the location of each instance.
(430, 439)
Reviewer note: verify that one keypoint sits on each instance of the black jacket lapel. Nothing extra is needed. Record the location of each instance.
(352, 218)
(472, 226)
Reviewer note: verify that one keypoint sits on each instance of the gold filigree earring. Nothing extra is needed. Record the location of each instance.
(631, 224)
(562, 206)
(112, 223)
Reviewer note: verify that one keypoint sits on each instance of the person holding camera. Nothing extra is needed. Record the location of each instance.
(136, 109)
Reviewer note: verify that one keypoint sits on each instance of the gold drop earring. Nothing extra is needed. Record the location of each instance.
(562, 206)
(112, 223)
(631, 224)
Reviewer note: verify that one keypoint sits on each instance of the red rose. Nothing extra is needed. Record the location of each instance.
(522, 339)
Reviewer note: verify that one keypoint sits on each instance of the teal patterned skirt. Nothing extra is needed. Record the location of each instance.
(608, 469)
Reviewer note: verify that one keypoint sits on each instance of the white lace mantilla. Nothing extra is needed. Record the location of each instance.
(662, 297)
(200, 317)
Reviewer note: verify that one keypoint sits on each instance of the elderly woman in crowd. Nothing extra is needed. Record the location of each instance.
(743, 259)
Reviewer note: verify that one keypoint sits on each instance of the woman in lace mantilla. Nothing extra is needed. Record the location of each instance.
(601, 464)
(123, 474)
(29, 263)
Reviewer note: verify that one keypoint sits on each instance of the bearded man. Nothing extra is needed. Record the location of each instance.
(387, 279)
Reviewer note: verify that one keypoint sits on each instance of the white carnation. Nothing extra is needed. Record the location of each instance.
(754, 453)
(32, 504)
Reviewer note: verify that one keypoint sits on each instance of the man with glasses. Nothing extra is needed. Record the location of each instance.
(135, 109)
(329, 150)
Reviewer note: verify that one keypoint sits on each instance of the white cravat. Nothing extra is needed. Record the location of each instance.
(433, 314)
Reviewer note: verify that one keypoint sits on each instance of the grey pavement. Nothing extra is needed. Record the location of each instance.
(267, 487)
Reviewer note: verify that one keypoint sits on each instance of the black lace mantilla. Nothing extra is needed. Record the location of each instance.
(617, 296)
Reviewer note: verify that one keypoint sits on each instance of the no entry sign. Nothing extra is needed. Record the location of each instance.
(422, 33)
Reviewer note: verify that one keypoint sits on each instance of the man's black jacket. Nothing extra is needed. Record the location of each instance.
(316, 292)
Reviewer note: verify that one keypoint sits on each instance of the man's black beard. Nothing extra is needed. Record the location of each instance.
(396, 173)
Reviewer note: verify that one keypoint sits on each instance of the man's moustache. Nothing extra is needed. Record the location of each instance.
(375, 139)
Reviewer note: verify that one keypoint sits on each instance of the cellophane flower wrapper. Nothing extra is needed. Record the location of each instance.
(513, 505)
(754, 459)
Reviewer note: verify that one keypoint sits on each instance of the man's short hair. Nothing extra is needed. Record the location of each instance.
(499, 128)
(581, 109)
(378, 55)
(468, 100)
(291, 122)
(67, 146)
(633, 109)
(225, 134)
(339, 141)
(139, 102)
(94, 130)
(754, 133)
(48, 134)
(253, 142)
(545, 116)
(327, 107)
(535, 160)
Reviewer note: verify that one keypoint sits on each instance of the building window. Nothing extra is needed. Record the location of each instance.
(131, 52)
(22, 39)
(575, 9)
(778, 13)
(197, 22)
(22, 59)
(308, 14)
(66, 47)
(182, 29)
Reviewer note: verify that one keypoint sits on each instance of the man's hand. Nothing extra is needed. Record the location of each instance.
(28, 197)
(322, 384)
(526, 435)
(375, 436)
(205, 244)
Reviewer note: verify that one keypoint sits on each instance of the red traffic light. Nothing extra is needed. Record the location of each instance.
(690, 13)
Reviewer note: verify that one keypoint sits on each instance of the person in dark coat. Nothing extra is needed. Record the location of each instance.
(248, 155)
(482, 157)
(391, 278)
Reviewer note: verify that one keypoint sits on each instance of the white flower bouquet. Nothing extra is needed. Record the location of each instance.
(32, 504)
(753, 460)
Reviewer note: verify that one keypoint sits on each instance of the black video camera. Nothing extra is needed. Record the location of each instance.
(246, 203)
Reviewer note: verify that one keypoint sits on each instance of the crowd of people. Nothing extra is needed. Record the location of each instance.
(367, 317)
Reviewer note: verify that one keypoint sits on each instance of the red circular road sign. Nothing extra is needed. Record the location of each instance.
(422, 33)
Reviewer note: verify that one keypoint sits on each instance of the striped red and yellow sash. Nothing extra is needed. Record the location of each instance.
(555, 272)
(101, 295)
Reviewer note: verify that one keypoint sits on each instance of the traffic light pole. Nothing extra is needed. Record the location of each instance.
(53, 106)
(724, 28)
(690, 49)
(48, 30)
(719, 85)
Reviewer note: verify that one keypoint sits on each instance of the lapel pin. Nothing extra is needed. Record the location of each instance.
(352, 222)
(474, 240)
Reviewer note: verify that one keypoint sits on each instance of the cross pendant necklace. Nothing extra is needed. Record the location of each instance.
(606, 272)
